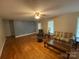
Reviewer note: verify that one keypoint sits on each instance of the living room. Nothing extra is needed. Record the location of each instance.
(22, 27)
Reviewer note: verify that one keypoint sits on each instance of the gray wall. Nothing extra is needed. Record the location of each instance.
(7, 28)
(24, 27)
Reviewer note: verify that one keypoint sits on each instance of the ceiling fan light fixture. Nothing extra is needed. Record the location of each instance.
(37, 15)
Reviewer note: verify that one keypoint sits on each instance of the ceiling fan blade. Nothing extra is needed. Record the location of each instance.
(23, 14)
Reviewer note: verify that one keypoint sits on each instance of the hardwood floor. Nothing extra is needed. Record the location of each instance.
(27, 48)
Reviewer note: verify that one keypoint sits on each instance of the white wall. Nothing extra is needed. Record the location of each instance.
(63, 23)
(44, 23)
(66, 23)
(2, 36)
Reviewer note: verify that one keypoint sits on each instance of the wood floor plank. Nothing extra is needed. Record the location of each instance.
(27, 48)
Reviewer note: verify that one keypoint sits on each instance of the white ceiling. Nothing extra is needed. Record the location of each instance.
(24, 9)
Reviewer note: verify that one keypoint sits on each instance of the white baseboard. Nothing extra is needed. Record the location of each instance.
(24, 35)
(2, 46)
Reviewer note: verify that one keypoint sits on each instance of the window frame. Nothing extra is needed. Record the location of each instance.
(52, 26)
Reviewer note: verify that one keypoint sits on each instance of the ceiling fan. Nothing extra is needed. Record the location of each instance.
(35, 14)
(39, 15)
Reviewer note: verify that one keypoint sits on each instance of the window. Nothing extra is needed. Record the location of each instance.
(39, 26)
(51, 26)
(77, 31)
